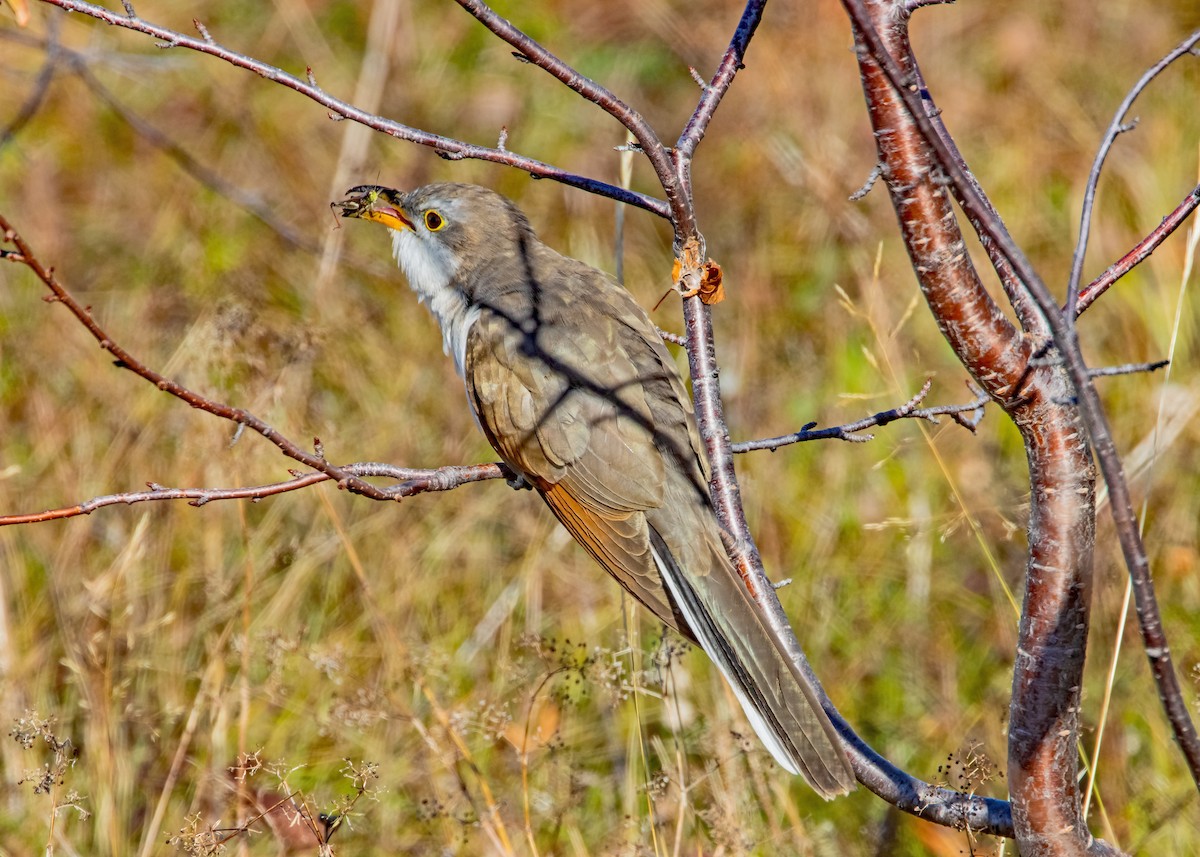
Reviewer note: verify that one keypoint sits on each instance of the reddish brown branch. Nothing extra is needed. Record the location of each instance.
(1140, 252)
(1084, 391)
(917, 157)
(981, 335)
(1023, 306)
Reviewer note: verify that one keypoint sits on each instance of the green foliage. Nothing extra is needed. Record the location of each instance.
(318, 627)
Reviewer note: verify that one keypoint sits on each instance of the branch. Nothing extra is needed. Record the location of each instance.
(848, 432)
(1094, 419)
(1026, 311)
(530, 50)
(1140, 252)
(447, 147)
(125, 360)
(412, 482)
(1116, 127)
(715, 89)
(40, 87)
(1128, 369)
(919, 161)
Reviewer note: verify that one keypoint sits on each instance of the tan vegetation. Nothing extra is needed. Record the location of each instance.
(461, 642)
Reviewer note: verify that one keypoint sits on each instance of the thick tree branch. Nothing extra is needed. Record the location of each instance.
(1094, 420)
(916, 156)
(1026, 311)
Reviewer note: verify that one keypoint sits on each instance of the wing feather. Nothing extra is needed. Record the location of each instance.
(574, 388)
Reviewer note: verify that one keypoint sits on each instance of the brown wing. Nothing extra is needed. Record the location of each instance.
(575, 390)
(573, 398)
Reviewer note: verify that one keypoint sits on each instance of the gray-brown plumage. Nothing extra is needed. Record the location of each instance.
(573, 387)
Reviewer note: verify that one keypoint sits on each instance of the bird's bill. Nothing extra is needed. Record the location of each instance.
(369, 202)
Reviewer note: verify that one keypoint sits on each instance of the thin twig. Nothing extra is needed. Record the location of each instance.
(848, 432)
(865, 187)
(447, 147)
(1127, 369)
(1116, 127)
(412, 482)
(673, 338)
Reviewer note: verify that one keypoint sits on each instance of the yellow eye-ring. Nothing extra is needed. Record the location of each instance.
(434, 221)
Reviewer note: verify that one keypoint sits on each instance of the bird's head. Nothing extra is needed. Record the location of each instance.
(443, 234)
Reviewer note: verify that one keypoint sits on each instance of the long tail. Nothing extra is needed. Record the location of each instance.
(780, 702)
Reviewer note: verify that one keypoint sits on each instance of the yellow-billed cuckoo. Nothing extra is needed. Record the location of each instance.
(573, 387)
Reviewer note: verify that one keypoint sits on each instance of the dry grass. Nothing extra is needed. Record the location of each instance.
(509, 697)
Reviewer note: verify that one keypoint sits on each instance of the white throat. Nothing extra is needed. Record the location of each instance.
(430, 268)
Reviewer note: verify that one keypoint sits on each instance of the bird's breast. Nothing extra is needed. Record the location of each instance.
(430, 271)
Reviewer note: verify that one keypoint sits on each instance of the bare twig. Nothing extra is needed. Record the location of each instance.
(868, 183)
(673, 338)
(413, 482)
(849, 431)
(1116, 127)
(41, 86)
(1128, 369)
(445, 146)
(532, 52)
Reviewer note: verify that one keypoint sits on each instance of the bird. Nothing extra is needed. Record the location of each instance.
(569, 380)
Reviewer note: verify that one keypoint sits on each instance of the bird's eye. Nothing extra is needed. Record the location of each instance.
(434, 221)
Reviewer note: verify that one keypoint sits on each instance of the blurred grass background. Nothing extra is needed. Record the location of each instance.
(437, 638)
